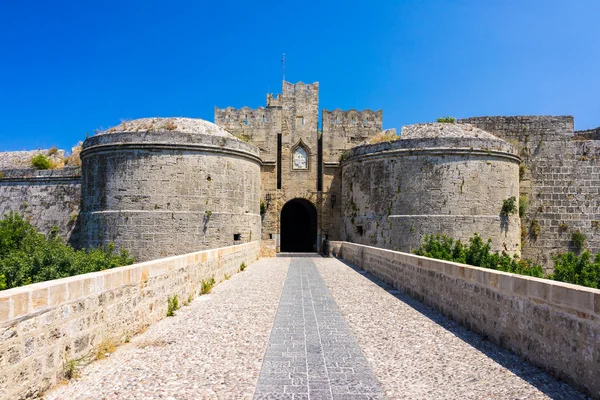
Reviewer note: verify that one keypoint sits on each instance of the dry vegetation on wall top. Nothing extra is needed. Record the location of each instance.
(56, 159)
(389, 135)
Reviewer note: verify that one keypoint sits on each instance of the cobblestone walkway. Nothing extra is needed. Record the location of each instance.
(311, 325)
(212, 349)
(417, 353)
(312, 353)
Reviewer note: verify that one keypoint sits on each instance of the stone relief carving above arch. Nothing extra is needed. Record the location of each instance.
(300, 156)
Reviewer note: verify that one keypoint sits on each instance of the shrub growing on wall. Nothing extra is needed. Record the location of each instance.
(446, 120)
(27, 256)
(40, 161)
(578, 239)
(509, 206)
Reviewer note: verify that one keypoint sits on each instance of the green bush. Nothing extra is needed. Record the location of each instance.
(263, 208)
(40, 161)
(446, 120)
(580, 270)
(509, 206)
(578, 239)
(569, 267)
(27, 256)
(477, 253)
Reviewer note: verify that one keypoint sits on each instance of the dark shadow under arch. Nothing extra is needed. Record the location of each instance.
(298, 226)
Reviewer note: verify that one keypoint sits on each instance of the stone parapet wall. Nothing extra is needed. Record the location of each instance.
(554, 325)
(45, 325)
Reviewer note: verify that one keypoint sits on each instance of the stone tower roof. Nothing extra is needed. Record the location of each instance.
(174, 124)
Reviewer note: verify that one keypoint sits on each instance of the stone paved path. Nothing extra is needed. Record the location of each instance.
(362, 341)
(417, 353)
(212, 349)
(312, 353)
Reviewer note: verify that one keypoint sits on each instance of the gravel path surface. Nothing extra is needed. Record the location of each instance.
(212, 349)
(416, 353)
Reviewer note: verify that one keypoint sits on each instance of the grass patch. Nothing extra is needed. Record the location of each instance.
(563, 227)
(523, 205)
(446, 120)
(172, 305)
(70, 369)
(243, 266)
(105, 348)
(535, 228)
(207, 285)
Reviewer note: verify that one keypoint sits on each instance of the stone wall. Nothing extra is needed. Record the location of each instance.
(395, 193)
(554, 325)
(343, 130)
(560, 178)
(166, 193)
(46, 198)
(46, 325)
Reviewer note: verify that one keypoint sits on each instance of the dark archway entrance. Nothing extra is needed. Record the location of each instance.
(298, 226)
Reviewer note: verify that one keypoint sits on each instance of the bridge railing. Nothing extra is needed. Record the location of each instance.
(49, 327)
(554, 325)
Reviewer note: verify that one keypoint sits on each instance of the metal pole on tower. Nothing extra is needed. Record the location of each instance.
(283, 66)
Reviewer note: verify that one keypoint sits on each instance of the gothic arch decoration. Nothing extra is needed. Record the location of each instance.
(300, 156)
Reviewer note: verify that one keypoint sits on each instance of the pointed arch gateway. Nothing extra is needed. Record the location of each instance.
(298, 227)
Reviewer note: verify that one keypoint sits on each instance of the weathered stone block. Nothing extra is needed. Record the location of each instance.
(20, 303)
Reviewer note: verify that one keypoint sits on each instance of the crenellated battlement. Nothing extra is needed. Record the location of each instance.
(353, 118)
(300, 89)
(254, 117)
(273, 100)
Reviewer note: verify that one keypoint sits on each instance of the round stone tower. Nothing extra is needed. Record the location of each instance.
(167, 186)
(437, 179)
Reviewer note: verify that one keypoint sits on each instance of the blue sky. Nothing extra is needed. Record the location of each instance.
(67, 68)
